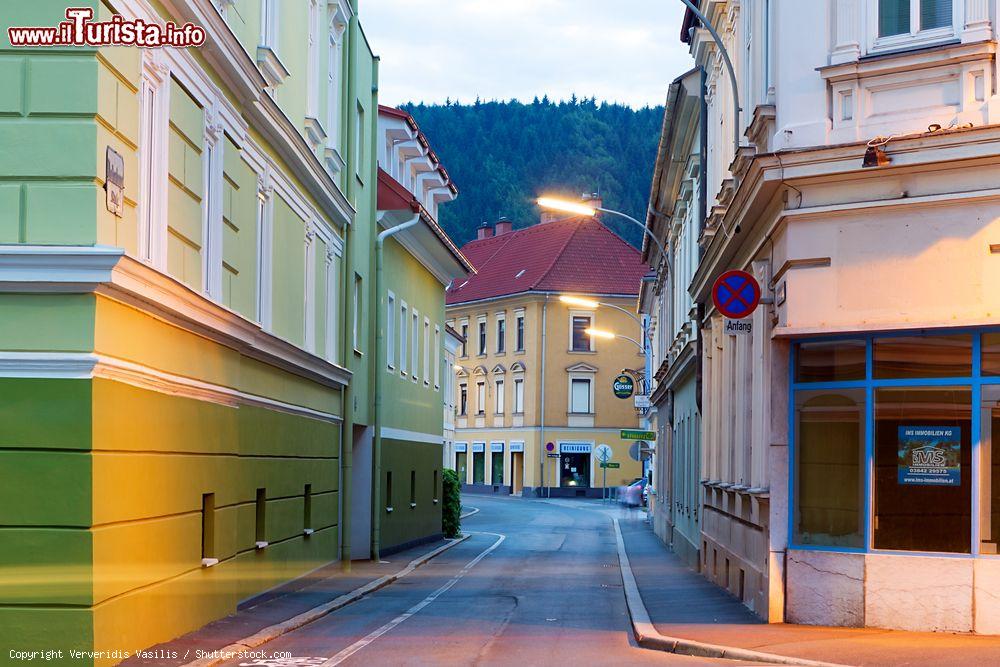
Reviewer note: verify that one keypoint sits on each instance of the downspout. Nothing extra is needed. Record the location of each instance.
(379, 362)
(541, 421)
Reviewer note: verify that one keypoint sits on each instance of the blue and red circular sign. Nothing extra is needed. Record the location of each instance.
(736, 294)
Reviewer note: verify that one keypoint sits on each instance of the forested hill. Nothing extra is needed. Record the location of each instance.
(502, 155)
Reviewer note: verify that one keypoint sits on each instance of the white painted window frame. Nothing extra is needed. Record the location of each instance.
(500, 389)
(581, 376)
(404, 329)
(437, 354)
(916, 38)
(497, 319)
(481, 397)
(518, 395)
(581, 313)
(339, 14)
(427, 352)
(415, 344)
(520, 320)
(484, 349)
(390, 332)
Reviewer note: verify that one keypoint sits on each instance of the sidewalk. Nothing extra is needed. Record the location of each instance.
(683, 604)
(298, 597)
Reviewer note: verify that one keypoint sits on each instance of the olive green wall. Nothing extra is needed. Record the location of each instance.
(407, 524)
(101, 509)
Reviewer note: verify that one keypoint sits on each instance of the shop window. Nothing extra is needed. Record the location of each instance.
(830, 361)
(923, 480)
(829, 467)
(496, 468)
(991, 354)
(461, 467)
(907, 357)
(989, 480)
(479, 467)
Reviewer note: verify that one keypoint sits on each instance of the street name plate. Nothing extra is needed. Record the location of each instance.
(552, 455)
(611, 464)
(738, 327)
(637, 435)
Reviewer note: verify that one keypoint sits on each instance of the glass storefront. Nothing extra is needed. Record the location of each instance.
(496, 468)
(461, 466)
(888, 452)
(478, 466)
(575, 471)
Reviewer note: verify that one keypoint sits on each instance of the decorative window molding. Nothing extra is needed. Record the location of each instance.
(270, 64)
(339, 13)
(390, 332)
(916, 36)
(436, 355)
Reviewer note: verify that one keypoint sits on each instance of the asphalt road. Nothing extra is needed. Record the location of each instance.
(537, 583)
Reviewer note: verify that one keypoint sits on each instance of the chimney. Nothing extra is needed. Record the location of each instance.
(503, 226)
(549, 216)
(485, 231)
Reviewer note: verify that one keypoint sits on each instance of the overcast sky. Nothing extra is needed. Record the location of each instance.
(625, 50)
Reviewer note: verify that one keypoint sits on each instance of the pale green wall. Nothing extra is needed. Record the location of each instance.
(288, 278)
(185, 188)
(239, 240)
(415, 406)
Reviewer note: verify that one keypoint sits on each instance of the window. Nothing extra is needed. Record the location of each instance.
(415, 346)
(829, 459)
(436, 354)
(358, 315)
(427, 352)
(390, 333)
(914, 22)
(463, 399)
(902, 357)
(404, 349)
(334, 80)
(482, 337)
(499, 397)
(918, 507)
(831, 361)
(465, 340)
(580, 396)
(413, 488)
(580, 341)
(501, 334)
(518, 397)
(496, 464)
(359, 144)
(480, 398)
(519, 333)
(312, 62)
(434, 486)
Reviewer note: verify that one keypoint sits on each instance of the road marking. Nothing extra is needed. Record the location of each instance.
(375, 634)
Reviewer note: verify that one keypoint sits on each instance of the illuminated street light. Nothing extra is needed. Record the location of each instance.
(566, 206)
(607, 335)
(579, 301)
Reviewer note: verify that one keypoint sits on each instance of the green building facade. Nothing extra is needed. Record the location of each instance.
(185, 381)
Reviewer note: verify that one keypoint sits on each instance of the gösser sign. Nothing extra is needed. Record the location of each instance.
(623, 386)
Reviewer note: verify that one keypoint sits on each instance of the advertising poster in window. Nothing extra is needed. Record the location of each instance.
(930, 455)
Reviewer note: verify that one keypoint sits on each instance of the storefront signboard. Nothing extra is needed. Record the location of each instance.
(517, 446)
(574, 448)
(930, 455)
(461, 447)
(496, 447)
(478, 447)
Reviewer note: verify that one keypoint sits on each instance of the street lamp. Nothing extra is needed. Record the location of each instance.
(577, 208)
(608, 335)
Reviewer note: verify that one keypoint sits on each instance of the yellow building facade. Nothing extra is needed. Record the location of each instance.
(534, 393)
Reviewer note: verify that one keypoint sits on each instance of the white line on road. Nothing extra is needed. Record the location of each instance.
(375, 634)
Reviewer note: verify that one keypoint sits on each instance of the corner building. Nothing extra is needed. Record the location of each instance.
(528, 375)
(849, 471)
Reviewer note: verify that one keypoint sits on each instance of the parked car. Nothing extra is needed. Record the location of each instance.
(634, 495)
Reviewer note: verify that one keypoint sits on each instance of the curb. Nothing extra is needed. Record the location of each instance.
(472, 510)
(274, 631)
(649, 637)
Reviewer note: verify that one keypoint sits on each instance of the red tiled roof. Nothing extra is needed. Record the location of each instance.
(574, 255)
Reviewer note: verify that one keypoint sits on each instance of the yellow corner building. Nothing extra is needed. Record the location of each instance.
(534, 389)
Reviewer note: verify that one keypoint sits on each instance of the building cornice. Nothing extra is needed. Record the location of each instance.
(108, 271)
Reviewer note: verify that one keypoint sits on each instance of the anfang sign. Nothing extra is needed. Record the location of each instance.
(738, 327)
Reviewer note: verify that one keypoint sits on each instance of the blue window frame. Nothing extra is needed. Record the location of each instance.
(819, 377)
